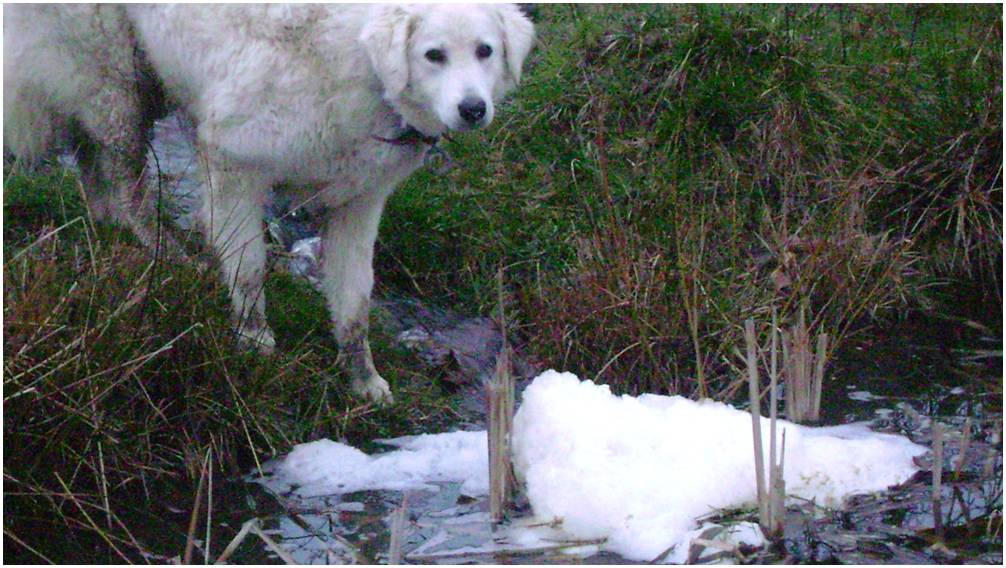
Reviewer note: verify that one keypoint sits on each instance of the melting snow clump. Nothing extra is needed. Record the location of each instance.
(639, 471)
(325, 467)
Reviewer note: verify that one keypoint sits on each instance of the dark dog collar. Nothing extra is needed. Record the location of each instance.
(409, 137)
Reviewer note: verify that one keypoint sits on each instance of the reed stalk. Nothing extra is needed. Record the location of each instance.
(771, 495)
(803, 370)
(500, 399)
(937, 479)
(753, 390)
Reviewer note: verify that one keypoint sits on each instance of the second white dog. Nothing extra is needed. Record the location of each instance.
(343, 100)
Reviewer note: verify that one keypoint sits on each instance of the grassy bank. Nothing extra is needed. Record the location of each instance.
(668, 171)
(663, 174)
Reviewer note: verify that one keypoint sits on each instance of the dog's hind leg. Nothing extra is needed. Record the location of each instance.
(111, 124)
(111, 162)
(347, 279)
(111, 153)
(232, 220)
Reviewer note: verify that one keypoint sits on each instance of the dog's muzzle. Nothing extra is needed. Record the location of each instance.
(472, 110)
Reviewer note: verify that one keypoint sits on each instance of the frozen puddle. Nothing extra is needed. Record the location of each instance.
(627, 475)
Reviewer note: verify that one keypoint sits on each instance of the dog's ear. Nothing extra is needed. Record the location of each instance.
(518, 36)
(385, 38)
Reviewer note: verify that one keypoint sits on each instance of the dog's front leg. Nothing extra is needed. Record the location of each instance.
(347, 279)
(232, 220)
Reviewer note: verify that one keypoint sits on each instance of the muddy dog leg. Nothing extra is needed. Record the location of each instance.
(347, 279)
(231, 218)
(130, 201)
(113, 127)
(111, 153)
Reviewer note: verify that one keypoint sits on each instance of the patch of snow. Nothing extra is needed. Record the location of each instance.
(325, 467)
(638, 471)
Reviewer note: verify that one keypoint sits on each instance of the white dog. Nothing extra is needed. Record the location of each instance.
(344, 100)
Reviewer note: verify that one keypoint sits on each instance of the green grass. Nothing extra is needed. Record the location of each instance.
(662, 174)
(120, 373)
(663, 170)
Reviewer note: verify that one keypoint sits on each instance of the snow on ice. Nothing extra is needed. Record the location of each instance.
(325, 467)
(638, 472)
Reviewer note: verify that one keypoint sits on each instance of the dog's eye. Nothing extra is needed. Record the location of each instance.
(436, 56)
(483, 51)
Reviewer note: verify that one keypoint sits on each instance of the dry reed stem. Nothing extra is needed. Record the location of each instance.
(42, 238)
(273, 545)
(755, 395)
(777, 485)
(771, 495)
(103, 483)
(777, 497)
(190, 539)
(815, 395)
(692, 311)
(251, 527)
(500, 399)
(209, 507)
(236, 541)
(499, 432)
(937, 479)
(803, 370)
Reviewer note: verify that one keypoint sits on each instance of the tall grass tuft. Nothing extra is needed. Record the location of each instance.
(120, 374)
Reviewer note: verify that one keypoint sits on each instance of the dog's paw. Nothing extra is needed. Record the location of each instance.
(260, 339)
(374, 389)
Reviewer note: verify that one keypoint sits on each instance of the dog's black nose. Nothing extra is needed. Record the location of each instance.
(472, 110)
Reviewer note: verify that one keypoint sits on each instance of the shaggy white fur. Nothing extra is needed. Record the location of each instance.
(343, 100)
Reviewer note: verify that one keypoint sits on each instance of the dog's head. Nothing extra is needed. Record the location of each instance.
(442, 67)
